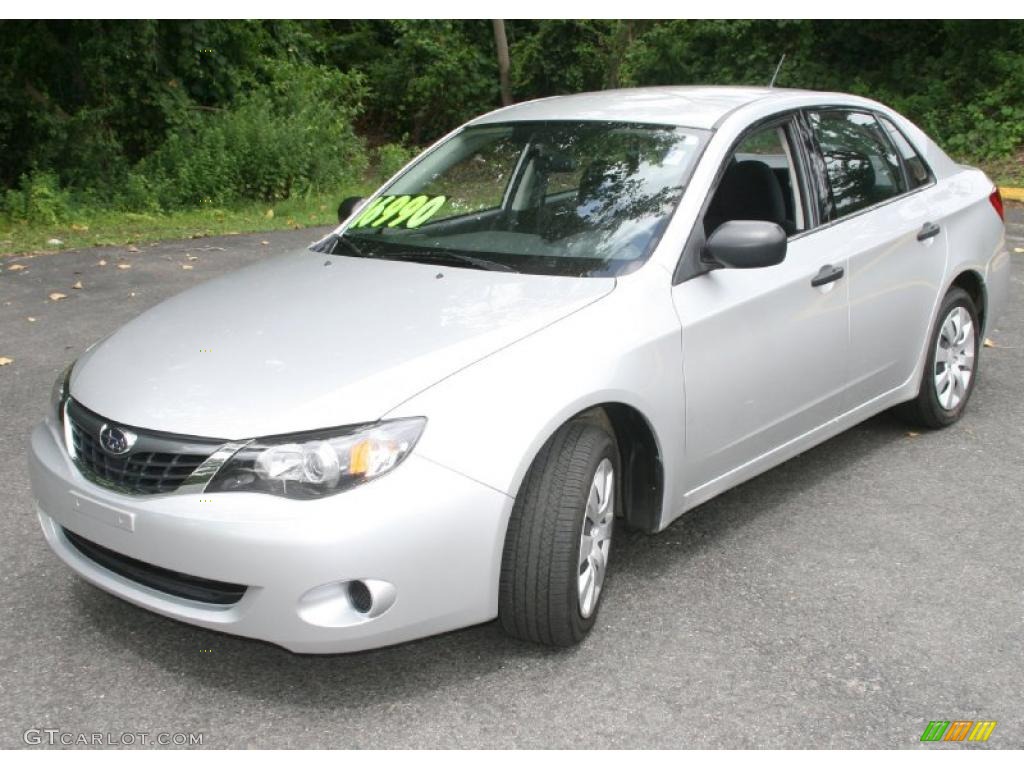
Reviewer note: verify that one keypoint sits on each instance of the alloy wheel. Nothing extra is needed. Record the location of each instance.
(954, 358)
(596, 537)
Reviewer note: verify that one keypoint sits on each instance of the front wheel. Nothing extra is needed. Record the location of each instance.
(559, 538)
(952, 365)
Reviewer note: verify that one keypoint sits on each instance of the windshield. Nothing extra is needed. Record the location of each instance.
(566, 198)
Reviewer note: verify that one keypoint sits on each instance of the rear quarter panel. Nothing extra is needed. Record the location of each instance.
(977, 238)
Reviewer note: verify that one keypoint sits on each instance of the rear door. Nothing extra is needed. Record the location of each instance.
(886, 230)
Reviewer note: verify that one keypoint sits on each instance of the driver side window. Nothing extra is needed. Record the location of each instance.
(760, 183)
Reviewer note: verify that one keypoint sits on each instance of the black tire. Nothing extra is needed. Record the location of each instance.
(925, 410)
(538, 595)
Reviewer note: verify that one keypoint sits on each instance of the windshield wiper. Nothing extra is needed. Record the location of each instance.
(328, 244)
(430, 256)
(350, 243)
(455, 258)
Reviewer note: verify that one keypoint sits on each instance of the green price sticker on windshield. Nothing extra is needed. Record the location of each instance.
(399, 211)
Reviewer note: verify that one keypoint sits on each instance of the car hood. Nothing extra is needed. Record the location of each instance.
(308, 341)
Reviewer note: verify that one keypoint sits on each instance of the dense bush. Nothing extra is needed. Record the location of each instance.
(391, 158)
(293, 135)
(38, 199)
(960, 80)
(423, 77)
(147, 115)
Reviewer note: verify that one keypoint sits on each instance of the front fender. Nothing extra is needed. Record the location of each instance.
(489, 420)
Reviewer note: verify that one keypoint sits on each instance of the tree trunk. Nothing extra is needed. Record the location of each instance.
(620, 44)
(501, 43)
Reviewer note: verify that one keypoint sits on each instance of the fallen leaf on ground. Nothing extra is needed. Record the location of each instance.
(913, 434)
(57, 296)
(80, 227)
(77, 285)
(264, 242)
(186, 266)
(1018, 250)
(30, 319)
(6, 360)
(124, 266)
(269, 214)
(190, 257)
(101, 263)
(132, 249)
(16, 267)
(989, 343)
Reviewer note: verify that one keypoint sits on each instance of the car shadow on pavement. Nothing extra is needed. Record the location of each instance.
(261, 671)
(760, 498)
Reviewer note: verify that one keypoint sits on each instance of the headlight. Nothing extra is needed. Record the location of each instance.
(59, 393)
(311, 465)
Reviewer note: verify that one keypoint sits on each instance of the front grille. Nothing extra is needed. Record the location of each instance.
(154, 577)
(140, 472)
(158, 462)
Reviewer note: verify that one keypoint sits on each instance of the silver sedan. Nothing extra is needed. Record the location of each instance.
(567, 316)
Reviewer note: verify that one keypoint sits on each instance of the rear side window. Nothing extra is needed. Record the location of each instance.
(860, 160)
(917, 172)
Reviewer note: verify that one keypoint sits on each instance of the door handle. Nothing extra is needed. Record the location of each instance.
(928, 231)
(827, 274)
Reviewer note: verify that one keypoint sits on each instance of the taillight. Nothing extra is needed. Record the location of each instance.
(997, 202)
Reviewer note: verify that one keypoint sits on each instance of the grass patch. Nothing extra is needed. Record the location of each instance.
(84, 228)
(1008, 172)
(87, 228)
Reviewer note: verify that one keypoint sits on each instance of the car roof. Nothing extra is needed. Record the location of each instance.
(694, 106)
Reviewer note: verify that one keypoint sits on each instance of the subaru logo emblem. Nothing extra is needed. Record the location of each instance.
(115, 440)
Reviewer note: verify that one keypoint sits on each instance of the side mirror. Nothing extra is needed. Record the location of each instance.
(348, 205)
(746, 245)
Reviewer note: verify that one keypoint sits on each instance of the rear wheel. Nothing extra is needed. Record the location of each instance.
(559, 538)
(952, 365)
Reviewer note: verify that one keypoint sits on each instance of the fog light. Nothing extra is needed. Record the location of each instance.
(360, 596)
(346, 603)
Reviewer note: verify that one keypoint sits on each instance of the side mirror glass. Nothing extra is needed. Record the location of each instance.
(741, 244)
(348, 205)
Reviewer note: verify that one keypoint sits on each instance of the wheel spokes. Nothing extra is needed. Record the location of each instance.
(595, 537)
(586, 548)
(954, 358)
(587, 591)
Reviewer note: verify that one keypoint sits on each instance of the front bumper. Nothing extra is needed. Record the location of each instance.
(432, 536)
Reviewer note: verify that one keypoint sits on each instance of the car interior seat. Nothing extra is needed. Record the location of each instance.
(749, 190)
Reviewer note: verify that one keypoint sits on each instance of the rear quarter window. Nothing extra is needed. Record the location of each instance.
(917, 171)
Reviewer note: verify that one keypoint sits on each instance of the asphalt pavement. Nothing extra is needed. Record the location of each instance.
(844, 599)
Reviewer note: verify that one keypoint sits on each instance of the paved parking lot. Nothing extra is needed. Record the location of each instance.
(842, 600)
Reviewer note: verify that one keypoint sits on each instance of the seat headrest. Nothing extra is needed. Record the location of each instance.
(750, 190)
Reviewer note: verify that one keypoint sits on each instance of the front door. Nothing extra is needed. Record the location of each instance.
(764, 350)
